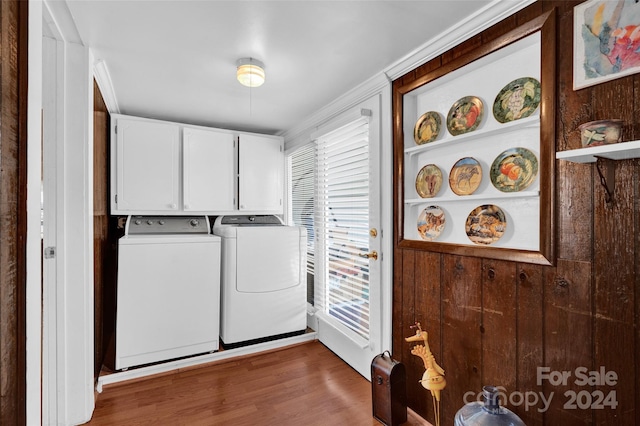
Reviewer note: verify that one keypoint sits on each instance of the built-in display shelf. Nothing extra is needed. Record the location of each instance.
(478, 197)
(617, 151)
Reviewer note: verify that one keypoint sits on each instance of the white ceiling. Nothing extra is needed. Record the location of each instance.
(175, 60)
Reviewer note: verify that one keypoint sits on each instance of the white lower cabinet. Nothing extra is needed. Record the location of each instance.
(171, 168)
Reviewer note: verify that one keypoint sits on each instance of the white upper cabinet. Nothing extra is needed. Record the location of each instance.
(208, 159)
(171, 169)
(147, 166)
(261, 174)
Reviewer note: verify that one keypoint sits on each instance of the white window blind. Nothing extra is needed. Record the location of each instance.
(342, 225)
(302, 174)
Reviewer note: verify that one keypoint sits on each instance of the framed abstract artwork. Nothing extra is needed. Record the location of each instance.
(606, 37)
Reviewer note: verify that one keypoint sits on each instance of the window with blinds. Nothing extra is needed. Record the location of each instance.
(342, 225)
(302, 165)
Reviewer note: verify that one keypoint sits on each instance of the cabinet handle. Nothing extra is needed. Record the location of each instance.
(186, 207)
(173, 206)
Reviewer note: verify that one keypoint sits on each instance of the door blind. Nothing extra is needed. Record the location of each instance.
(342, 225)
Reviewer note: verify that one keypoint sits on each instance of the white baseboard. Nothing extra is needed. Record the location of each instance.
(176, 365)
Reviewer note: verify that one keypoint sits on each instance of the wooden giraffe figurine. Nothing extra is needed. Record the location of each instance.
(433, 378)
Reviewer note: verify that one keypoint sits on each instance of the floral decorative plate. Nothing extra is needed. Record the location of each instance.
(465, 115)
(486, 224)
(429, 181)
(518, 99)
(431, 223)
(514, 170)
(465, 176)
(427, 128)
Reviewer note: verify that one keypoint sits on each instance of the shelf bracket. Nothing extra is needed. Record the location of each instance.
(607, 177)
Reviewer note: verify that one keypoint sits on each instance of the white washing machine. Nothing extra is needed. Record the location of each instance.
(264, 279)
(168, 293)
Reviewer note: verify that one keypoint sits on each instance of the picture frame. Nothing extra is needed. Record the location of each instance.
(446, 222)
(606, 41)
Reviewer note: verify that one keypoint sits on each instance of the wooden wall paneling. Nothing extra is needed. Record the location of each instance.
(428, 313)
(397, 309)
(613, 256)
(574, 181)
(529, 337)
(412, 363)
(499, 302)
(461, 331)
(13, 212)
(100, 170)
(636, 281)
(615, 298)
(568, 339)
(104, 278)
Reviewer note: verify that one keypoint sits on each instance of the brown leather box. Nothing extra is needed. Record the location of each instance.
(389, 390)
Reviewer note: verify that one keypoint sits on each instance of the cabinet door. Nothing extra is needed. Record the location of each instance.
(208, 170)
(261, 174)
(148, 166)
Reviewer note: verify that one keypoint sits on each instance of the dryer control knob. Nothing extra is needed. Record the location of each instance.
(194, 222)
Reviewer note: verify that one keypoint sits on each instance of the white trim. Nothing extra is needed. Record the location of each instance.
(338, 122)
(489, 15)
(33, 253)
(59, 19)
(202, 359)
(301, 134)
(103, 79)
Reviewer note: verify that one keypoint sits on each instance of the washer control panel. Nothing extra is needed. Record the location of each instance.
(160, 225)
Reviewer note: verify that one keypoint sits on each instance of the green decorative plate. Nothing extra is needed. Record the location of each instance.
(427, 128)
(429, 181)
(486, 224)
(431, 223)
(514, 170)
(465, 115)
(516, 100)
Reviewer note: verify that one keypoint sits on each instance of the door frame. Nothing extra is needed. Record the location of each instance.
(377, 87)
(66, 303)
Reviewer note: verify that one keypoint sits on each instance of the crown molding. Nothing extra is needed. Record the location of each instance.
(489, 15)
(103, 79)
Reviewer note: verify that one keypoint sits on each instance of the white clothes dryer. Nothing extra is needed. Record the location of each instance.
(263, 279)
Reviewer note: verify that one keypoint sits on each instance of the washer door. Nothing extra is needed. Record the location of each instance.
(268, 258)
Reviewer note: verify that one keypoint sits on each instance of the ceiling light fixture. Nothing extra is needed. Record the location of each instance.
(250, 72)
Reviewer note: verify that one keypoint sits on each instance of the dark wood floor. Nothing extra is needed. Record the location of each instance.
(300, 385)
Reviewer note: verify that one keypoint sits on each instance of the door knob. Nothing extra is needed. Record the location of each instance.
(373, 254)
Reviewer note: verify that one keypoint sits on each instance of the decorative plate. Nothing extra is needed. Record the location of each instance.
(429, 181)
(465, 176)
(427, 128)
(518, 99)
(465, 115)
(514, 170)
(486, 224)
(431, 223)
